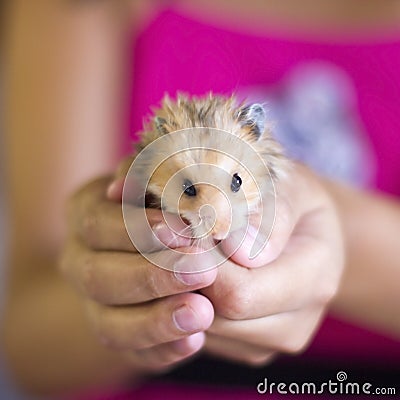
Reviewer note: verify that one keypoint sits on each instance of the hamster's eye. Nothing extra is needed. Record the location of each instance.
(236, 183)
(188, 188)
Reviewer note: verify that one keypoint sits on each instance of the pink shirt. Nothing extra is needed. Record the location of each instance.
(177, 53)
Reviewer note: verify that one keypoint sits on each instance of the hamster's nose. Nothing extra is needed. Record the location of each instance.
(207, 216)
(216, 214)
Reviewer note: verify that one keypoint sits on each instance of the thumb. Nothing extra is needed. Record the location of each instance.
(259, 244)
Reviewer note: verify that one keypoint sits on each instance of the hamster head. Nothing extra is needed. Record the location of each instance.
(209, 161)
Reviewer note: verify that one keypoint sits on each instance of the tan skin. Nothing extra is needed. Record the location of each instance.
(65, 334)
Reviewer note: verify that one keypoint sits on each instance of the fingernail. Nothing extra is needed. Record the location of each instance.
(186, 320)
(164, 234)
(168, 237)
(255, 241)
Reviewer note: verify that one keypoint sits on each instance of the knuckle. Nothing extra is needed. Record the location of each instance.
(152, 284)
(90, 229)
(89, 211)
(89, 282)
(237, 302)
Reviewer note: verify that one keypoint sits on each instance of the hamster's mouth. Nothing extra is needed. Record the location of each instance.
(185, 220)
(188, 223)
(213, 239)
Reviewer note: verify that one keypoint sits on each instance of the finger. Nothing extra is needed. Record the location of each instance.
(115, 189)
(264, 239)
(115, 278)
(164, 356)
(236, 350)
(97, 221)
(287, 332)
(147, 325)
(151, 230)
(100, 223)
(305, 273)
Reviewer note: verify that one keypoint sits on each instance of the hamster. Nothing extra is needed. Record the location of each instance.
(209, 160)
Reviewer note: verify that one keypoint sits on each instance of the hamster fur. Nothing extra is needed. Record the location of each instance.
(219, 123)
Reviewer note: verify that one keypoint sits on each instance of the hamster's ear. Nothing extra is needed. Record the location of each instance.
(253, 115)
(160, 125)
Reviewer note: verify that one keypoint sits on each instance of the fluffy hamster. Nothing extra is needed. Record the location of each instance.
(210, 160)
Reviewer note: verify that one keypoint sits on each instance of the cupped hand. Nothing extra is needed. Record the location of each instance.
(148, 314)
(274, 303)
(263, 306)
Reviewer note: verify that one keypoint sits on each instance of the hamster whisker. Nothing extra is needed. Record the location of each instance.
(205, 242)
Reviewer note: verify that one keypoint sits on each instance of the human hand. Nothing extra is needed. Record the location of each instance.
(148, 314)
(277, 301)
